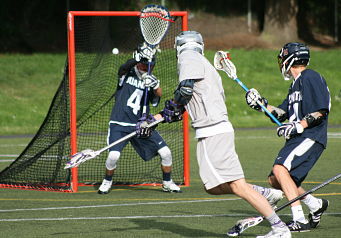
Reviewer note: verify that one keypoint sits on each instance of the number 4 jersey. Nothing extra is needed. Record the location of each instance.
(129, 98)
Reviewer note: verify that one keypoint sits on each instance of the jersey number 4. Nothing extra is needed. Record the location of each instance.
(134, 100)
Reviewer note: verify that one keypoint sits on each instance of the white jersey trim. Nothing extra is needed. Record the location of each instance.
(298, 151)
(122, 123)
(222, 127)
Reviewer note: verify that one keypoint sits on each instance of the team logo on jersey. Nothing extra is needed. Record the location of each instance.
(135, 82)
(295, 97)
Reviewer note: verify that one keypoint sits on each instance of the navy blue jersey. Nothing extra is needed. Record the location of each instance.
(129, 99)
(308, 93)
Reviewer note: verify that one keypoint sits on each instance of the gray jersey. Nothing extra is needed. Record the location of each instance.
(207, 106)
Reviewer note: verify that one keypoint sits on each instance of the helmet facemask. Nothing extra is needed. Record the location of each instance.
(189, 40)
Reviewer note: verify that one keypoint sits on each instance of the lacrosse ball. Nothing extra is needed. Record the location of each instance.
(115, 51)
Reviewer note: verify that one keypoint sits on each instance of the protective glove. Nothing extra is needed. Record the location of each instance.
(142, 129)
(144, 51)
(252, 96)
(172, 112)
(289, 130)
(150, 81)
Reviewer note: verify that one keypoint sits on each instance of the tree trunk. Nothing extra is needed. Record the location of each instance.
(280, 25)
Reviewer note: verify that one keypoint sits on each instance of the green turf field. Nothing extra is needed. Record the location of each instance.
(148, 212)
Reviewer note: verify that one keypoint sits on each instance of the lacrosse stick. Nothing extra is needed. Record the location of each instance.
(88, 154)
(154, 24)
(222, 62)
(244, 224)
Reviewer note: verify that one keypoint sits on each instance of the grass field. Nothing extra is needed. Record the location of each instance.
(148, 212)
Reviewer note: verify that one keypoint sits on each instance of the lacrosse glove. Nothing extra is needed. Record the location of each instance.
(142, 128)
(150, 81)
(172, 112)
(144, 51)
(252, 96)
(289, 130)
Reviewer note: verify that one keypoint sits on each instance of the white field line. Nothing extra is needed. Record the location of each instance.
(121, 205)
(141, 217)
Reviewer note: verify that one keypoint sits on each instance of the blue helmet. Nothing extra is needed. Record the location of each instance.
(292, 54)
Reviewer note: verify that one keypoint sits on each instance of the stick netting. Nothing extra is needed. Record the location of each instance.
(40, 165)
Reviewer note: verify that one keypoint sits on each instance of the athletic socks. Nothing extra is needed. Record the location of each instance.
(297, 214)
(166, 176)
(264, 191)
(108, 177)
(275, 221)
(312, 202)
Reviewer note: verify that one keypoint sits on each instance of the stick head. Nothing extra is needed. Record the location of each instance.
(154, 23)
(222, 61)
(79, 158)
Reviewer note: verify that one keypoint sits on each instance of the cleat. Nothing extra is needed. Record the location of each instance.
(170, 186)
(105, 187)
(296, 226)
(277, 232)
(244, 224)
(315, 217)
(275, 196)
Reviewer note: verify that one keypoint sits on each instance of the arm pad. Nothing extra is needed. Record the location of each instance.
(316, 118)
(184, 91)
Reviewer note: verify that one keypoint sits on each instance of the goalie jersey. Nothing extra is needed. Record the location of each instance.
(308, 93)
(129, 98)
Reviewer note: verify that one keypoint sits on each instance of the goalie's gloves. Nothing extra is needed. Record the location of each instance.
(144, 53)
(172, 112)
(252, 96)
(150, 81)
(142, 129)
(289, 130)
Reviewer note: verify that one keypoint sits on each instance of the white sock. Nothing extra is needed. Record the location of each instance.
(275, 221)
(297, 214)
(266, 192)
(312, 202)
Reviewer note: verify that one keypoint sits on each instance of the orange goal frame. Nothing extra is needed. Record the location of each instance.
(72, 87)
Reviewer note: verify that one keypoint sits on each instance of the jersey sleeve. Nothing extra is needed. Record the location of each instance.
(190, 67)
(316, 94)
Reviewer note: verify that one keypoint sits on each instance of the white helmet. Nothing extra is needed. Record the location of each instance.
(189, 40)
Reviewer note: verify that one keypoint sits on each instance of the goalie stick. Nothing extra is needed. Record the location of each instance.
(154, 24)
(246, 223)
(88, 154)
(222, 62)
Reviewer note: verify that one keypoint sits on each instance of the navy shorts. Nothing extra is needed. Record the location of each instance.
(147, 148)
(299, 155)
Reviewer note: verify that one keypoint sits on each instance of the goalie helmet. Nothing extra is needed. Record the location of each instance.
(189, 40)
(292, 54)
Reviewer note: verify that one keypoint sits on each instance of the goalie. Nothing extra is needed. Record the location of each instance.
(306, 107)
(132, 80)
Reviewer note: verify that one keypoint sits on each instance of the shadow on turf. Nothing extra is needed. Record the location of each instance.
(150, 224)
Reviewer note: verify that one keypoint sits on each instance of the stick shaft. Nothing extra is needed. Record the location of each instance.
(259, 103)
(309, 192)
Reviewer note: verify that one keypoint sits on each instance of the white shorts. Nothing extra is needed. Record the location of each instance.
(218, 160)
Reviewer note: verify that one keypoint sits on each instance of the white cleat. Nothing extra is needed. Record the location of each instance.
(278, 232)
(105, 187)
(275, 196)
(170, 186)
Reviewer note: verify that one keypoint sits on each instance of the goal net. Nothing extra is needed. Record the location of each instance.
(79, 114)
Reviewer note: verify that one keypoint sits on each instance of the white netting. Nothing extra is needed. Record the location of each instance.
(154, 22)
(222, 62)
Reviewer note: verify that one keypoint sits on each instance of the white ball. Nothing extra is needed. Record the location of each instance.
(115, 51)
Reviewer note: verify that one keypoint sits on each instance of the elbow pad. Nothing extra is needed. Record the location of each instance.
(315, 118)
(184, 91)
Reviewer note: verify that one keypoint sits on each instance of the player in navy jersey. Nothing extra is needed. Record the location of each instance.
(306, 107)
(129, 100)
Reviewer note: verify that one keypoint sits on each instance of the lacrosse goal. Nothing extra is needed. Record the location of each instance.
(79, 113)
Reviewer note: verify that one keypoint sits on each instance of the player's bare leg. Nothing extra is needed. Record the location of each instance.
(283, 179)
